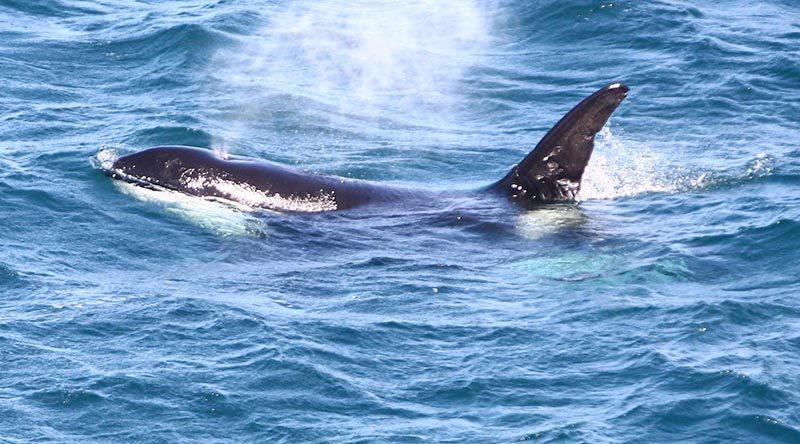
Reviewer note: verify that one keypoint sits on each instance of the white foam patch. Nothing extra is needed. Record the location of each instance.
(762, 165)
(105, 158)
(620, 168)
(617, 170)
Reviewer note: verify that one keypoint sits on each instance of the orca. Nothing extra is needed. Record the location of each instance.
(551, 172)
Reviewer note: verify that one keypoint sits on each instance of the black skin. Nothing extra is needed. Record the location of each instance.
(552, 172)
(172, 167)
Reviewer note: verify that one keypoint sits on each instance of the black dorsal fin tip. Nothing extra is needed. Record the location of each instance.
(553, 170)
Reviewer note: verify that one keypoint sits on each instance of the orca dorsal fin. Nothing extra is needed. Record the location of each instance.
(553, 170)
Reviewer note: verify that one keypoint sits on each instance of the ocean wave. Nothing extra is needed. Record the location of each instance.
(55, 8)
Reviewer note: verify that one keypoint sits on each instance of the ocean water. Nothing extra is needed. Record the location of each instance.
(664, 307)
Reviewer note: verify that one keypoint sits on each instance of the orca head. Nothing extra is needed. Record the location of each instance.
(171, 167)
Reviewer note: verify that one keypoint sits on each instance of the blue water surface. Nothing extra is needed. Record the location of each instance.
(664, 307)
